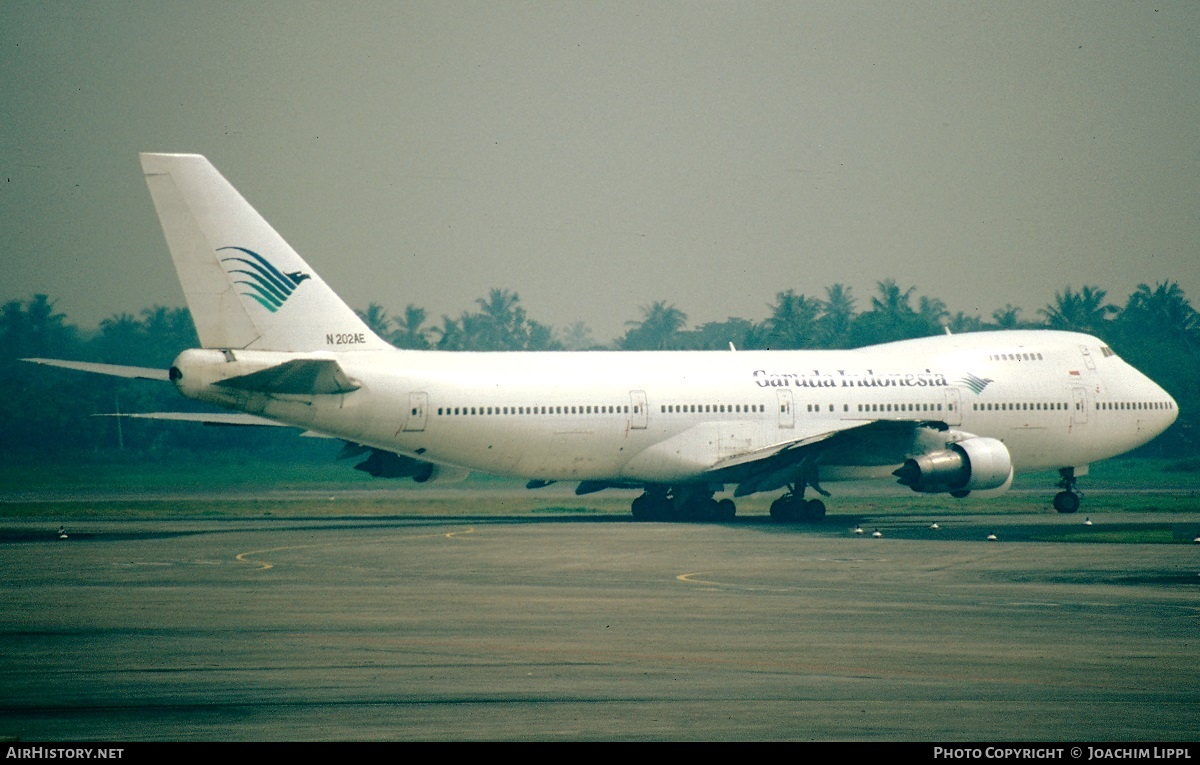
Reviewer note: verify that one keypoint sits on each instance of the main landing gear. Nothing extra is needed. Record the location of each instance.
(662, 503)
(1067, 500)
(794, 508)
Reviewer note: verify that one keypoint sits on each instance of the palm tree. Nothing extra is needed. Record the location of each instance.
(34, 328)
(892, 317)
(166, 332)
(1165, 306)
(577, 337)
(793, 321)
(717, 335)
(960, 323)
(933, 312)
(1083, 311)
(891, 300)
(376, 318)
(1007, 317)
(540, 337)
(118, 334)
(1159, 321)
(657, 330)
(409, 332)
(450, 335)
(505, 320)
(837, 317)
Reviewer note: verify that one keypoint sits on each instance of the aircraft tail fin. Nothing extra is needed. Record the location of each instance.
(245, 286)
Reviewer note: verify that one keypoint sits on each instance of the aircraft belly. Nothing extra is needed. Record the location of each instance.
(1028, 448)
(568, 455)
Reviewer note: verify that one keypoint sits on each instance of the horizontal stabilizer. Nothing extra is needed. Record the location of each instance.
(299, 377)
(208, 418)
(238, 419)
(115, 370)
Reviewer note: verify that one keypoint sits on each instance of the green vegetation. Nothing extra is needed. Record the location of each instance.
(1138, 534)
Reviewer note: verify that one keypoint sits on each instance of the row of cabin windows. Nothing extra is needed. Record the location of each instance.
(885, 407)
(1114, 405)
(903, 407)
(1015, 357)
(812, 408)
(744, 408)
(1022, 406)
(530, 410)
(701, 408)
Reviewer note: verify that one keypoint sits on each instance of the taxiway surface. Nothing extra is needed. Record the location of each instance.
(562, 628)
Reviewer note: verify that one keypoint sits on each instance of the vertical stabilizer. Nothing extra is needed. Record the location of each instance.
(245, 286)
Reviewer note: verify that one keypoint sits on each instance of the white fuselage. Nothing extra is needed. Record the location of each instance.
(1055, 399)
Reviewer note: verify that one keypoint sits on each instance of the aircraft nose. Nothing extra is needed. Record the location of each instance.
(1173, 408)
(1168, 408)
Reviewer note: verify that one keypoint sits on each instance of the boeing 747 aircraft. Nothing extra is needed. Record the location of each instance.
(956, 413)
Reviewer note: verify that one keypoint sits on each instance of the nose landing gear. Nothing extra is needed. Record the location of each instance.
(1067, 500)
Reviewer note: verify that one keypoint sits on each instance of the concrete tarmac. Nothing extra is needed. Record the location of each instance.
(468, 628)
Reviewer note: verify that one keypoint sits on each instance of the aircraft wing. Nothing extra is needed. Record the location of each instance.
(767, 452)
(875, 442)
(115, 370)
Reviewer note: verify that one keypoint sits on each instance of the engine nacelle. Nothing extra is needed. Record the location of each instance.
(973, 464)
(382, 464)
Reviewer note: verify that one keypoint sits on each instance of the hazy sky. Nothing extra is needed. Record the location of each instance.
(596, 157)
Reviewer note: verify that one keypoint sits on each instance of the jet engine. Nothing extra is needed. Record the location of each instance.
(973, 464)
(383, 464)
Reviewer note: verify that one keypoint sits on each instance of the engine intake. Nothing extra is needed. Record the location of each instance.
(973, 464)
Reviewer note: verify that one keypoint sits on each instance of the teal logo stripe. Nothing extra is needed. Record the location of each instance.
(266, 284)
(976, 384)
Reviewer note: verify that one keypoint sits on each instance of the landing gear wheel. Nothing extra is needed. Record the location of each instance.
(643, 508)
(793, 509)
(813, 511)
(726, 510)
(700, 509)
(783, 510)
(1066, 502)
(652, 507)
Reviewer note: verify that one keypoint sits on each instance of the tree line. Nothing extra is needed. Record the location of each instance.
(46, 411)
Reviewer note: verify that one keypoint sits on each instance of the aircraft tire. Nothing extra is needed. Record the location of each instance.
(1066, 502)
(813, 511)
(781, 510)
(643, 508)
(726, 510)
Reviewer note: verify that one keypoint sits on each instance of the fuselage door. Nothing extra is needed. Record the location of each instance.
(953, 404)
(637, 410)
(1087, 357)
(418, 406)
(1079, 407)
(787, 414)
